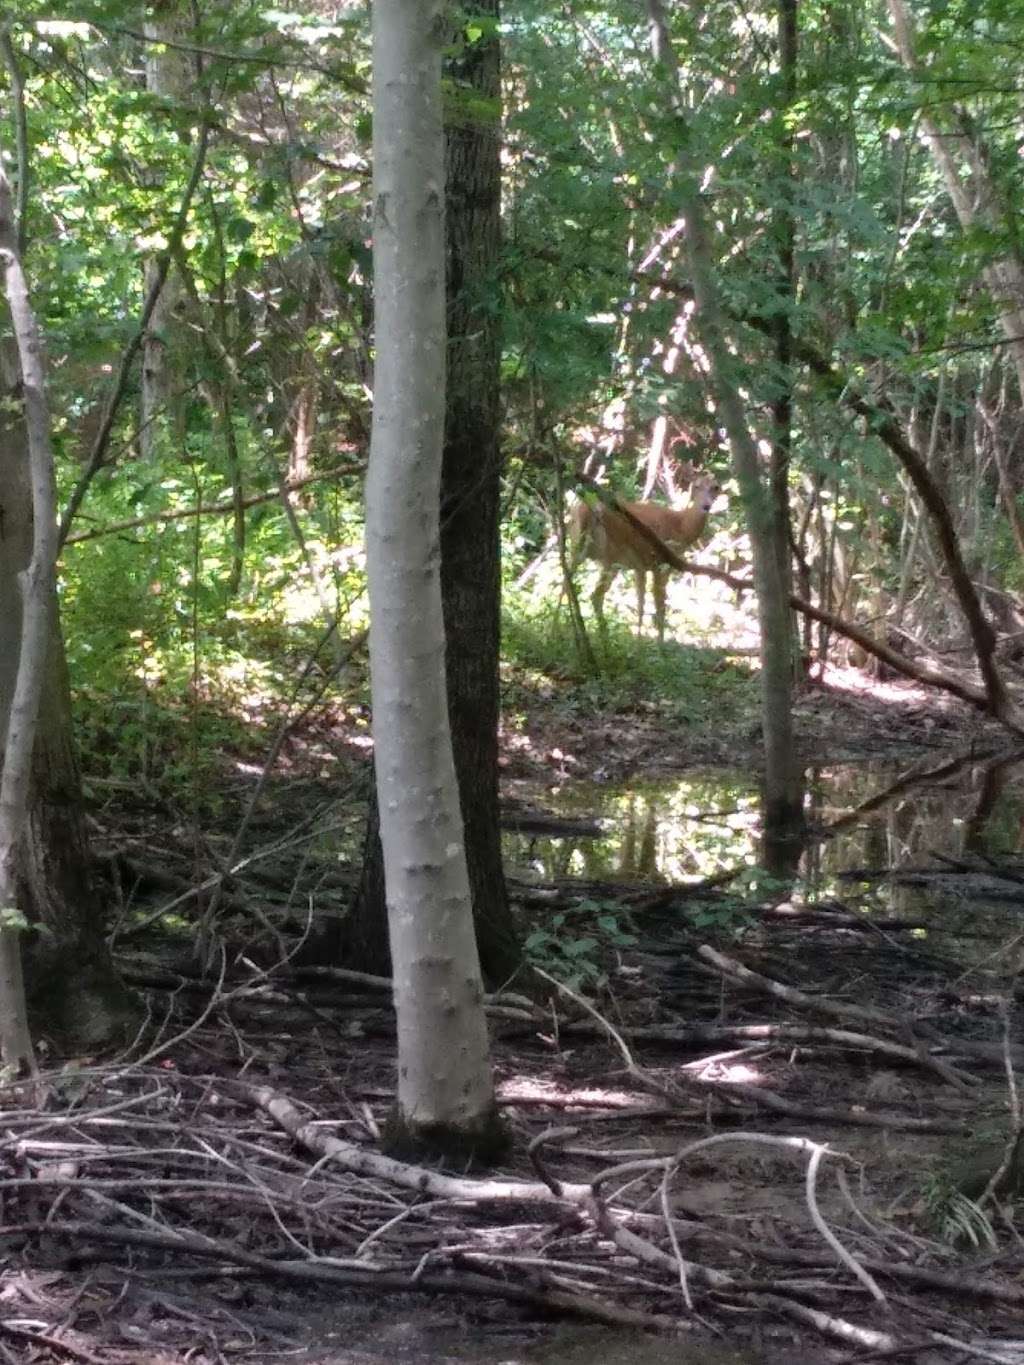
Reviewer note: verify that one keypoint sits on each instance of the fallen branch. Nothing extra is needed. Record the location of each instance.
(758, 1096)
(793, 996)
(785, 1034)
(338, 1271)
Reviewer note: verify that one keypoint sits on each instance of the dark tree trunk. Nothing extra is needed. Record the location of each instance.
(361, 941)
(784, 795)
(75, 996)
(471, 476)
(470, 490)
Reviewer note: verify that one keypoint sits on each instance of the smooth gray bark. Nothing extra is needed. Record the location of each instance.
(36, 589)
(445, 1092)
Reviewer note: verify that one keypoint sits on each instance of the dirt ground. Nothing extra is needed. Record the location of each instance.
(158, 1211)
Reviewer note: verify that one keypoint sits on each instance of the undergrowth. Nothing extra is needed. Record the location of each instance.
(171, 671)
(694, 683)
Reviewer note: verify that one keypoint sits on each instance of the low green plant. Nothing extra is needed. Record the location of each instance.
(692, 681)
(171, 673)
(957, 1219)
(729, 916)
(574, 945)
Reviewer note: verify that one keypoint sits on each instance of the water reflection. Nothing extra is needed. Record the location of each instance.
(869, 816)
(675, 831)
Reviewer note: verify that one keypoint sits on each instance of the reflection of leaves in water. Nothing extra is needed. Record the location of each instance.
(707, 821)
(677, 831)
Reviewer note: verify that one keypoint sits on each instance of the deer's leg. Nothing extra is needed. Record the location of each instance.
(641, 598)
(660, 577)
(604, 582)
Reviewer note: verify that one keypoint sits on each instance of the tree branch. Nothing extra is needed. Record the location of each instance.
(899, 663)
(117, 392)
(215, 509)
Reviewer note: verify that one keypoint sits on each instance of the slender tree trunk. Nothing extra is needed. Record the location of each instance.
(470, 489)
(783, 821)
(168, 75)
(74, 994)
(963, 162)
(42, 875)
(784, 228)
(445, 1099)
(783, 778)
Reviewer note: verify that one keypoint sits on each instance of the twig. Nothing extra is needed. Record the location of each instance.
(120, 385)
(849, 1261)
(1013, 1155)
(737, 972)
(829, 1324)
(10, 58)
(211, 509)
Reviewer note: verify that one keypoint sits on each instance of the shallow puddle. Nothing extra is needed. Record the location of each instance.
(865, 818)
(412, 1342)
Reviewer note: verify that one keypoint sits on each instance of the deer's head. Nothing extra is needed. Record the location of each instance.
(686, 484)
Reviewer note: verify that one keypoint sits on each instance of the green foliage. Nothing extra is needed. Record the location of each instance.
(594, 299)
(956, 1218)
(169, 673)
(575, 945)
(725, 916)
(12, 919)
(690, 684)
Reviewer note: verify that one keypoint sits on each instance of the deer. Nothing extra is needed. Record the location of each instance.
(600, 533)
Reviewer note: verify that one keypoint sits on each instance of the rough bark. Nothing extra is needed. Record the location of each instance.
(445, 1100)
(471, 474)
(783, 800)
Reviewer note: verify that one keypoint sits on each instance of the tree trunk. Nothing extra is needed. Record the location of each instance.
(162, 409)
(75, 996)
(783, 816)
(471, 473)
(445, 1101)
(963, 161)
(40, 804)
(784, 232)
(470, 489)
(783, 797)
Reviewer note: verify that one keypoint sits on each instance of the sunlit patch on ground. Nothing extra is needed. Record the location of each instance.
(539, 1090)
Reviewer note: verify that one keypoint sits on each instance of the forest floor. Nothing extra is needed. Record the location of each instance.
(221, 1199)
